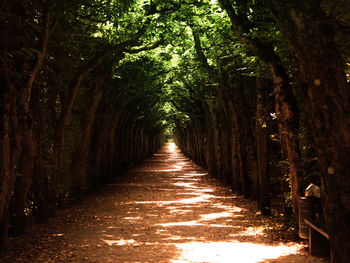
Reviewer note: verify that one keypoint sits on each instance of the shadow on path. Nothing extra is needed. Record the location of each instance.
(166, 210)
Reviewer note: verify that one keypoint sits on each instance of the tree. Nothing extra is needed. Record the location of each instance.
(286, 106)
(22, 57)
(95, 69)
(18, 73)
(317, 37)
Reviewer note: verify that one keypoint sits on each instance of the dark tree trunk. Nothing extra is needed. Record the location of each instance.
(112, 141)
(226, 92)
(235, 178)
(263, 110)
(313, 37)
(66, 110)
(286, 107)
(5, 157)
(80, 158)
(97, 174)
(216, 142)
(225, 122)
(5, 175)
(62, 121)
(245, 150)
(242, 101)
(4, 226)
(14, 107)
(288, 117)
(28, 144)
(208, 141)
(10, 147)
(40, 186)
(40, 178)
(25, 176)
(122, 161)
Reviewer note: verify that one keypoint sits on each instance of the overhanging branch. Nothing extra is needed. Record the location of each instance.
(144, 48)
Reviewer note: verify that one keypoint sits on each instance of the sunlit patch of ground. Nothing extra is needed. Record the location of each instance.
(185, 223)
(232, 252)
(165, 210)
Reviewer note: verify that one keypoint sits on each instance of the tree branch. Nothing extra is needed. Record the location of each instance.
(26, 92)
(201, 56)
(264, 51)
(145, 48)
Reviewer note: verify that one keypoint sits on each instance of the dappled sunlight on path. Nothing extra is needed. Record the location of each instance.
(168, 210)
(232, 252)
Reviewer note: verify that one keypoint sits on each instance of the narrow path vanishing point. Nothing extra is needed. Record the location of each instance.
(165, 210)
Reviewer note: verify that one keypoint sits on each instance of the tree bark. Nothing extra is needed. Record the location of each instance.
(5, 153)
(81, 154)
(11, 132)
(73, 91)
(312, 37)
(5, 166)
(15, 106)
(210, 158)
(263, 110)
(286, 107)
(25, 176)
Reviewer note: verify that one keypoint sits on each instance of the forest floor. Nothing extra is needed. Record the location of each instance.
(165, 210)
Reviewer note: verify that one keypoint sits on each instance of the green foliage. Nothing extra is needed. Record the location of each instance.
(144, 73)
(168, 86)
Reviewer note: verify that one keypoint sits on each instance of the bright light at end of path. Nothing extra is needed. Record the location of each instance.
(228, 252)
(172, 146)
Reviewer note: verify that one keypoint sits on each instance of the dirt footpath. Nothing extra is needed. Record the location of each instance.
(166, 210)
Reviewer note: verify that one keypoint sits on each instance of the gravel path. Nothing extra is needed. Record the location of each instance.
(166, 210)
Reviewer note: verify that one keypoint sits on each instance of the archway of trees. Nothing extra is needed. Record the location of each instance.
(255, 91)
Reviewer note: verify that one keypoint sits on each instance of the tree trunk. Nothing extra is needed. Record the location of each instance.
(20, 129)
(246, 119)
(97, 174)
(5, 163)
(329, 108)
(121, 160)
(313, 39)
(288, 117)
(216, 142)
(262, 135)
(244, 134)
(25, 176)
(226, 92)
(5, 154)
(67, 107)
(80, 158)
(40, 182)
(209, 141)
(4, 225)
(28, 144)
(8, 161)
(224, 139)
(235, 176)
(286, 107)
